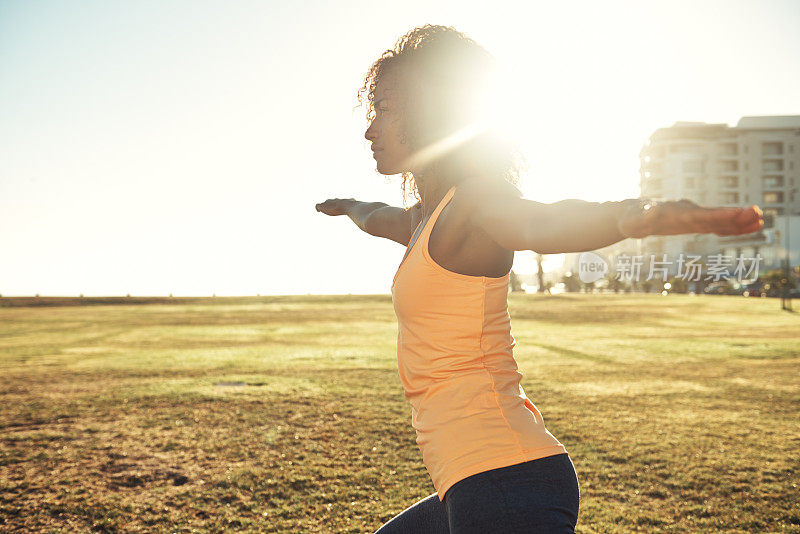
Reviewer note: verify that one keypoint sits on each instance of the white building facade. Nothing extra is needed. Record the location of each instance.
(755, 162)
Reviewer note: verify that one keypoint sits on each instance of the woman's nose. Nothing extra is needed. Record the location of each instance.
(370, 134)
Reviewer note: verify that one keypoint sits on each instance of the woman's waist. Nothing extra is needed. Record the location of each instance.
(443, 357)
(461, 377)
(465, 395)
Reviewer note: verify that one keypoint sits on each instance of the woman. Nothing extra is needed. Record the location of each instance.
(494, 465)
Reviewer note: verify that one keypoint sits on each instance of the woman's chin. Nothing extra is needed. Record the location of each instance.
(387, 171)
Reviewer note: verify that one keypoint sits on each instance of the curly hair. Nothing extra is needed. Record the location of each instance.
(444, 80)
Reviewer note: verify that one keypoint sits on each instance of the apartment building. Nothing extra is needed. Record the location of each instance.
(755, 162)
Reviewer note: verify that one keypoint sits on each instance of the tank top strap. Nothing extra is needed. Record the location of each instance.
(426, 232)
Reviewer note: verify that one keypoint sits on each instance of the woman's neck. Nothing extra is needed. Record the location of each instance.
(432, 191)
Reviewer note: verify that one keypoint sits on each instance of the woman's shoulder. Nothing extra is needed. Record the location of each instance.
(478, 187)
(476, 191)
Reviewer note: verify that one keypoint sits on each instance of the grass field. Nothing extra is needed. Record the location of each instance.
(286, 414)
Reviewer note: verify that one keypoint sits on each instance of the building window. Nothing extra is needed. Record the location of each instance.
(772, 165)
(686, 149)
(728, 166)
(772, 149)
(773, 181)
(728, 149)
(692, 165)
(730, 197)
(730, 181)
(773, 197)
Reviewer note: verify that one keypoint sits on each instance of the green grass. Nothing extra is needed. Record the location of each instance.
(286, 414)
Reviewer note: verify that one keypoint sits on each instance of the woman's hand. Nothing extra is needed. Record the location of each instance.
(336, 206)
(644, 218)
(384, 220)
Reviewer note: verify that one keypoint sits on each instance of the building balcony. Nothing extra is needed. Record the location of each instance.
(772, 149)
(773, 197)
(773, 181)
(772, 165)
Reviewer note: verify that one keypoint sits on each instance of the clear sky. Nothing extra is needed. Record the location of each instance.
(152, 147)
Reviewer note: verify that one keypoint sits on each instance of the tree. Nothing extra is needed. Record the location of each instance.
(614, 283)
(679, 285)
(571, 283)
(547, 286)
(516, 283)
(540, 272)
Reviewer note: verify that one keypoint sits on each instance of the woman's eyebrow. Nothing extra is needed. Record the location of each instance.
(378, 101)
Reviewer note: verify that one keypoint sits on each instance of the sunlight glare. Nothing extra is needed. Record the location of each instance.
(492, 108)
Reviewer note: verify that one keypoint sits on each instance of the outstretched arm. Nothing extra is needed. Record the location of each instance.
(576, 225)
(375, 218)
(358, 211)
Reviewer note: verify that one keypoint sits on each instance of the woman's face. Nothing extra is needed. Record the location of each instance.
(389, 146)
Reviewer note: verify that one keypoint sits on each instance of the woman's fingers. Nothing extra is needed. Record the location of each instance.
(750, 215)
(745, 221)
(686, 217)
(736, 221)
(334, 206)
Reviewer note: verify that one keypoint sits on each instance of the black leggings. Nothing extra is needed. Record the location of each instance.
(536, 496)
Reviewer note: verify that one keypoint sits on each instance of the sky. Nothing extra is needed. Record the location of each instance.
(149, 148)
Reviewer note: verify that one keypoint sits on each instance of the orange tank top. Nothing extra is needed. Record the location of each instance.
(454, 354)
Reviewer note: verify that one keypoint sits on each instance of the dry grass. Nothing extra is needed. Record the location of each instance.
(287, 415)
